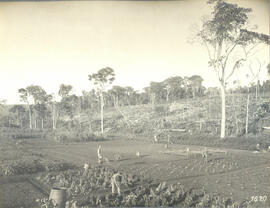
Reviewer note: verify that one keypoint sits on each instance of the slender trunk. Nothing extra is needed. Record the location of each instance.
(30, 117)
(167, 96)
(53, 121)
(209, 108)
(42, 123)
(167, 101)
(223, 111)
(235, 116)
(101, 111)
(53, 116)
(257, 90)
(247, 114)
(153, 97)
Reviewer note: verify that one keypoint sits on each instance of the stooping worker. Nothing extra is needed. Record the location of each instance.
(115, 182)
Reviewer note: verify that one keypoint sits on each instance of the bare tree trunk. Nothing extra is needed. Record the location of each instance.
(247, 114)
(235, 116)
(101, 112)
(167, 101)
(209, 108)
(53, 120)
(153, 98)
(256, 91)
(167, 95)
(54, 117)
(42, 123)
(30, 117)
(223, 111)
(193, 93)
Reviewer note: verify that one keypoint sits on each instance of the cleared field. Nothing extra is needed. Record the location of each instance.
(19, 192)
(238, 174)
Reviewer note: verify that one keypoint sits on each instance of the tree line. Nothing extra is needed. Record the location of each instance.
(41, 110)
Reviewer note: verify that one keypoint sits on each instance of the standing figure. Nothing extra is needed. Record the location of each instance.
(204, 154)
(99, 154)
(115, 182)
(155, 139)
(86, 167)
(168, 141)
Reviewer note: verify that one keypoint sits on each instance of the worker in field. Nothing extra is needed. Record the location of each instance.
(168, 141)
(155, 139)
(115, 182)
(86, 168)
(99, 154)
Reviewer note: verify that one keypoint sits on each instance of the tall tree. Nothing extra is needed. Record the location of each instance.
(19, 111)
(174, 87)
(39, 96)
(32, 93)
(223, 34)
(118, 94)
(187, 87)
(196, 85)
(25, 96)
(101, 80)
(130, 95)
(69, 106)
(64, 90)
(157, 92)
(54, 108)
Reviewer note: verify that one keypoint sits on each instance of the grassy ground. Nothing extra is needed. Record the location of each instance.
(248, 142)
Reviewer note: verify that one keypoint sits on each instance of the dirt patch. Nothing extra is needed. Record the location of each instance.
(19, 194)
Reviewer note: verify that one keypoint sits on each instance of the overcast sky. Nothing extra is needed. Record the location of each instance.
(50, 43)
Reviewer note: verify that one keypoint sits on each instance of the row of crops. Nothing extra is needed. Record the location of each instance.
(93, 188)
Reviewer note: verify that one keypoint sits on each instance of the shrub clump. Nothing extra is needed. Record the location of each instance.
(77, 136)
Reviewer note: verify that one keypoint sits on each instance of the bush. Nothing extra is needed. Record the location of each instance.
(77, 136)
(21, 167)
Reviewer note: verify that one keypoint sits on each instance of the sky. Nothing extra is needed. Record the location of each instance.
(50, 43)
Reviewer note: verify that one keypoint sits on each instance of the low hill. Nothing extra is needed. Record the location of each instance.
(200, 115)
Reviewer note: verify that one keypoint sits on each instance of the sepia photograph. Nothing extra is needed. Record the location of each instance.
(134, 103)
